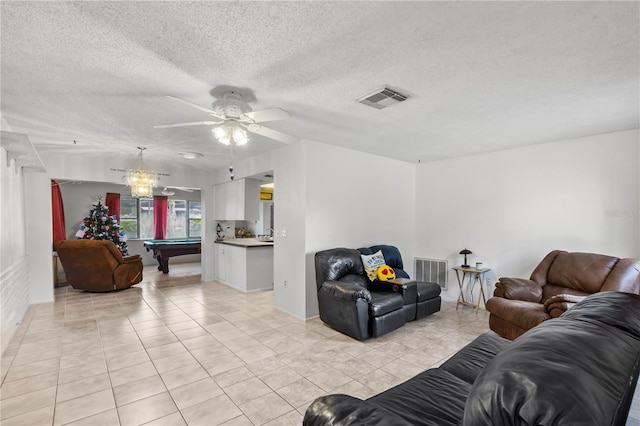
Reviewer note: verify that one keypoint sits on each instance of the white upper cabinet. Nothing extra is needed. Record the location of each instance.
(238, 200)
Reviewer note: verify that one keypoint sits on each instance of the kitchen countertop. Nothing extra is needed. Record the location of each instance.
(246, 242)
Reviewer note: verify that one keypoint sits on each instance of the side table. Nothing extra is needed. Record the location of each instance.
(57, 281)
(473, 275)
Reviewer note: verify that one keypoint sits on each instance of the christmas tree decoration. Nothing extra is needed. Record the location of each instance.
(100, 226)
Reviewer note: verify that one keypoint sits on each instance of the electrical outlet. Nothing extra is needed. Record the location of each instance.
(284, 233)
(285, 283)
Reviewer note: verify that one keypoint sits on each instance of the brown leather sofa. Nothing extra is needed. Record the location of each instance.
(560, 281)
(97, 265)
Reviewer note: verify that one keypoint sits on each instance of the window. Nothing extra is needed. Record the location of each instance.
(183, 222)
(129, 216)
(136, 217)
(183, 218)
(195, 218)
(176, 219)
(146, 218)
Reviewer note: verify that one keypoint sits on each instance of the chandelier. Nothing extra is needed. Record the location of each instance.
(141, 181)
(229, 132)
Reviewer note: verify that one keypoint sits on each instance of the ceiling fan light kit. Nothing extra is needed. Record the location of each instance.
(230, 132)
(141, 181)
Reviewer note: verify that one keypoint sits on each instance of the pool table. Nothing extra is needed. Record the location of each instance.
(164, 249)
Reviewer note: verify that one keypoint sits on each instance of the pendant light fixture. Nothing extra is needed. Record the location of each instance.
(141, 181)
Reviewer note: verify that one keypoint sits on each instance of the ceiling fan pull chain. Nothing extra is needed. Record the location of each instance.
(231, 166)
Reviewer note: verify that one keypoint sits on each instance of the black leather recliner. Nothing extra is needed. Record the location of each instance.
(344, 299)
(352, 304)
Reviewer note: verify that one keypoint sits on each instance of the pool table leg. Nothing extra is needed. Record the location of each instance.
(163, 265)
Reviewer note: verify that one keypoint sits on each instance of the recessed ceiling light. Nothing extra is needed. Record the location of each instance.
(191, 155)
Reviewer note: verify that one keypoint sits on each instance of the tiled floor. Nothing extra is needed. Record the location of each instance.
(174, 351)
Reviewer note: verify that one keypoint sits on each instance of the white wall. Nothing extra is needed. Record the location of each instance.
(329, 197)
(39, 237)
(289, 275)
(14, 268)
(511, 208)
(12, 215)
(26, 270)
(207, 255)
(354, 199)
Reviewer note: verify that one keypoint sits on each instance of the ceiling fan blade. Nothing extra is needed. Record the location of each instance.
(193, 123)
(196, 106)
(192, 105)
(272, 134)
(180, 188)
(271, 114)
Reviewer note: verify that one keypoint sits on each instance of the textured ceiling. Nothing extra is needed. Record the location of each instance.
(482, 76)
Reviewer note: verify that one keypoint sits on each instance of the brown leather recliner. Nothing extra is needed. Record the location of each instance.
(561, 280)
(98, 265)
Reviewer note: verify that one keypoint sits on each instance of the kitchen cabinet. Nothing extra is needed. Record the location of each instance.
(245, 266)
(238, 200)
(220, 262)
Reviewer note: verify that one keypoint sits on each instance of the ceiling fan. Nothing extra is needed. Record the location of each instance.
(234, 117)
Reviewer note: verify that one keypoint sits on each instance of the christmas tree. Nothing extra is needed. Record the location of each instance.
(100, 226)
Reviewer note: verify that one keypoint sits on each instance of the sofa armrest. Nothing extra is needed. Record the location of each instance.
(560, 303)
(132, 259)
(346, 291)
(519, 289)
(399, 285)
(346, 410)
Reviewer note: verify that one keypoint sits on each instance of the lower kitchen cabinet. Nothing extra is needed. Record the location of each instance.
(247, 269)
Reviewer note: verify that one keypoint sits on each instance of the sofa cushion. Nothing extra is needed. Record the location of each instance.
(334, 264)
(600, 362)
(522, 314)
(427, 291)
(383, 303)
(359, 280)
(469, 361)
(434, 397)
(597, 308)
(586, 272)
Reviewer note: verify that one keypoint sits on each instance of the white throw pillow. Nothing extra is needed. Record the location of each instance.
(371, 263)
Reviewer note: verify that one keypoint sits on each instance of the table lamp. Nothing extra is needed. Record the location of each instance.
(465, 252)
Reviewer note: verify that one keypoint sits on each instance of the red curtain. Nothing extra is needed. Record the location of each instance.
(57, 213)
(113, 203)
(159, 217)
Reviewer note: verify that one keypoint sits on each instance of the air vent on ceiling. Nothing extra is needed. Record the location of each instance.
(382, 98)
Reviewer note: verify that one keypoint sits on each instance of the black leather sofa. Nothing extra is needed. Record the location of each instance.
(352, 304)
(579, 369)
